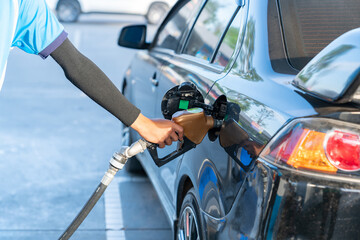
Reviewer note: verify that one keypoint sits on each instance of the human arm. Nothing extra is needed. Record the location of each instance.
(85, 75)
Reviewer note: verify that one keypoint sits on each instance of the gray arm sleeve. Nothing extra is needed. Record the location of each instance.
(88, 77)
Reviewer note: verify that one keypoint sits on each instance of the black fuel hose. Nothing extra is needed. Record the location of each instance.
(117, 162)
(84, 212)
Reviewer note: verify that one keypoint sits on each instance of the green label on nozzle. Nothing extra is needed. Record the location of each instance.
(195, 110)
(184, 104)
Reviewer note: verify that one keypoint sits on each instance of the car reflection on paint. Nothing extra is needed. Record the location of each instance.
(285, 164)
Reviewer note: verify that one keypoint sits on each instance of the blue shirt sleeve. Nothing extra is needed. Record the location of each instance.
(38, 31)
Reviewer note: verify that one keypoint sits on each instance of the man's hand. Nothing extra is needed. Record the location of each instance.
(159, 131)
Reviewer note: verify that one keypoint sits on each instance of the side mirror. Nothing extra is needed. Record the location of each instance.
(334, 74)
(133, 37)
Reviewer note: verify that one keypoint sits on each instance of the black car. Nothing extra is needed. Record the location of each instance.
(286, 162)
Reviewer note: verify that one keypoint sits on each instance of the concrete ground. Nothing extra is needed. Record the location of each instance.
(55, 144)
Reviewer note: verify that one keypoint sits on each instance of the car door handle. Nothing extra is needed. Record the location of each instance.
(154, 81)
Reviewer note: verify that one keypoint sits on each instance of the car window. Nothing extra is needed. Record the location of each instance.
(228, 44)
(170, 35)
(209, 28)
(310, 25)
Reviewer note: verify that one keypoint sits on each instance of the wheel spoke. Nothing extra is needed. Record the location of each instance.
(186, 224)
(191, 222)
(188, 228)
(181, 235)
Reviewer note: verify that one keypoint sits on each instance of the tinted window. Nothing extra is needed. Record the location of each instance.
(228, 44)
(209, 27)
(310, 25)
(170, 35)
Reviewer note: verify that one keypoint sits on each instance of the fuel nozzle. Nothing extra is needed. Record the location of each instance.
(196, 123)
(185, 105)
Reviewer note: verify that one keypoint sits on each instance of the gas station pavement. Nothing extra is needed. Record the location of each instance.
(55, 144)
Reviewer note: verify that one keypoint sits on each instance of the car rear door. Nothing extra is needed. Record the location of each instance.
(202, 60)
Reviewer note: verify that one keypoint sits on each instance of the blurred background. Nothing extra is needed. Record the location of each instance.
(55, 143)
(71, 10)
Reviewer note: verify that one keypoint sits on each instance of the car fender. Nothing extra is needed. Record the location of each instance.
(202, 175)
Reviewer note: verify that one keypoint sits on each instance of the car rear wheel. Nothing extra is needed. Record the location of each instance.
(68, 10)
(156, 12)
(189, 225)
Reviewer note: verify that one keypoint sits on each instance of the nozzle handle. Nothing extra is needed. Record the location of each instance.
(185, 146)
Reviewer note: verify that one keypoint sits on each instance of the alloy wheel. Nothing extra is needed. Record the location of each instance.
(68, 11)
(188, 226)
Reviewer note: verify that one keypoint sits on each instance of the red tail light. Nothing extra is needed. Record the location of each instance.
(317, 144)
(343, 150)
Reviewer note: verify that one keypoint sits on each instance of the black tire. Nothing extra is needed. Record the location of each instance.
(68, 10)
(189, 225)
(156, 12)
(132, 165)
